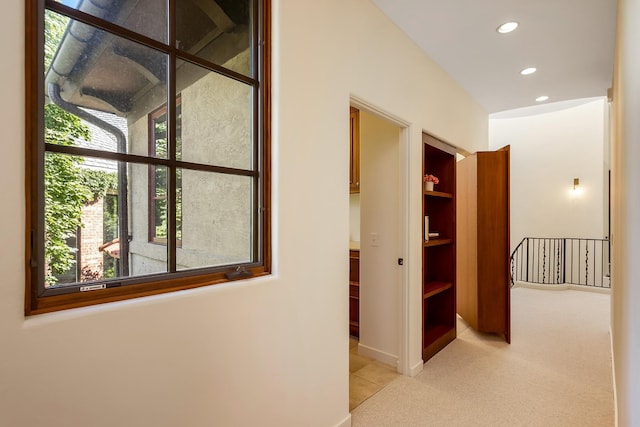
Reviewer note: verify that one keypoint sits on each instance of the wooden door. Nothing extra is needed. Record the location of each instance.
(483, 298)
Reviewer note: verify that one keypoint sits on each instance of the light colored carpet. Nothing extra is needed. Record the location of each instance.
(556, 372)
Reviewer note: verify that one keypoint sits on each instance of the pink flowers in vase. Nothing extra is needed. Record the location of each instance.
(431, 178)
(429, 181)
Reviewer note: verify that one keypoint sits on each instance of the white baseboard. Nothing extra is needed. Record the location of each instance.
(379, 355)
(346, 422)
(416, 369)
(613, 374)
(562, 287)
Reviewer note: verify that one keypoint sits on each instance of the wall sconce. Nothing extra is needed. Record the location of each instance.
(576, 183)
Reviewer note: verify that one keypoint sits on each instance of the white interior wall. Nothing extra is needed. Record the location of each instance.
(354, 217)
(380, 278)
(268, 351)
(549, 150)
(625, 236)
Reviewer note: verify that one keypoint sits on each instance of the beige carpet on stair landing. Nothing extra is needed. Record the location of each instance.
(556, 372)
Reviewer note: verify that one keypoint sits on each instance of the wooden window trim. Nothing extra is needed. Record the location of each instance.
(151, 218)
(35, 303)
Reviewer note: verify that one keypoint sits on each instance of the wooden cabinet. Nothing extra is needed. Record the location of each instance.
(483, 235)
(439, 253)
(354, 158)
(354, 293)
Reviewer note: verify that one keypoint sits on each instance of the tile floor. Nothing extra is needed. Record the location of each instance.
(366, 376)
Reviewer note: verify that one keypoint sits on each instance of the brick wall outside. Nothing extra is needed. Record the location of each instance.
(91, 238)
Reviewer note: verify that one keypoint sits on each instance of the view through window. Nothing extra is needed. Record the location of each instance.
(148, 148)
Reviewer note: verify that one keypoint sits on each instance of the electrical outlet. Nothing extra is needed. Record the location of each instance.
(374, 239)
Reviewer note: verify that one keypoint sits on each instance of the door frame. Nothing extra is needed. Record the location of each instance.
(404, 139)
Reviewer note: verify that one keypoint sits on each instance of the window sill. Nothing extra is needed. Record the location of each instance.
(49, 304)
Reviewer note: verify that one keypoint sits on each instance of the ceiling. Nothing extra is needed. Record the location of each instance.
(570, 42)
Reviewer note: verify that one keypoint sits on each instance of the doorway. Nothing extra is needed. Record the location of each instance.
(378, 231)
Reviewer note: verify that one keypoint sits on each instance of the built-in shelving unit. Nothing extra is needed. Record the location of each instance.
(354, 293)
(439, 253)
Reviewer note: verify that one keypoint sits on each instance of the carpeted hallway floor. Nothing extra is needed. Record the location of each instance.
(556, 372)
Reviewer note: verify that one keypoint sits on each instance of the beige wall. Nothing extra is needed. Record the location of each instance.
(269, 351)
(625, 238)
(548, 150)
(354, 217)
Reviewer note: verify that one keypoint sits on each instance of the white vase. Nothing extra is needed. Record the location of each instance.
(428, 186)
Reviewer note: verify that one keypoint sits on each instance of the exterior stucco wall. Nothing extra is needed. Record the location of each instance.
(216, 208)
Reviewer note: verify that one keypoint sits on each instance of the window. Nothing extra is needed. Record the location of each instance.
(158, 177)
(148, 131)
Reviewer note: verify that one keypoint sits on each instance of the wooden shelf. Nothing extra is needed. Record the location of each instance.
(436, 338)
(437, 242)
(434, 332)
(438, 194)
(433, 288)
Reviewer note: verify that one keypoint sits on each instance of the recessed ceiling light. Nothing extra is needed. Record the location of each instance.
(507, 27)
(528, 71)
(542, 98)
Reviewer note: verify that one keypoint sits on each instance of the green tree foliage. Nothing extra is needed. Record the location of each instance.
(67, 186)
(65, 193)
(98, 182)
(54, 27)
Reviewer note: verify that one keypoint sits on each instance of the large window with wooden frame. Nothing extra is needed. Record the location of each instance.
(148, 122)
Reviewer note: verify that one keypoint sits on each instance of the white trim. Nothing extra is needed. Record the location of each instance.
(346, 422)
(361, 104)
(613, 375)
(416, 369)
(379, 355)
(562, 287)
(403, 246)
(404, 327)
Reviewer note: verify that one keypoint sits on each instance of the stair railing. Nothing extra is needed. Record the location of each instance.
(555, 261)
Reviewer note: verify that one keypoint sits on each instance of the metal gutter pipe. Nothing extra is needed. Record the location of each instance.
(123, 209)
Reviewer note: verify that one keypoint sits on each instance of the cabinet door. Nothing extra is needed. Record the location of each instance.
(354, 158)
(494, 242)
(483, 297)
